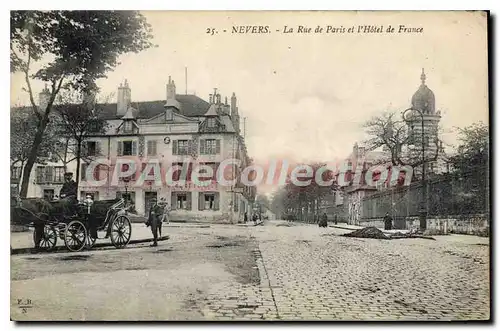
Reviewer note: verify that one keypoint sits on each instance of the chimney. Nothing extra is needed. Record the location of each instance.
(170, 89)
(124, 99)
(210, 98)
(43, 98)
(233, 104)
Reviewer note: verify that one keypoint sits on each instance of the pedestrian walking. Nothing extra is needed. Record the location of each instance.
(387, 222)
(335, 219)
(323, 222)
(155, 220)
(245, 217)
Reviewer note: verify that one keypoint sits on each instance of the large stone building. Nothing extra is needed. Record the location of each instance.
(175, 135)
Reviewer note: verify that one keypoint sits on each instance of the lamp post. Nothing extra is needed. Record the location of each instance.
(423, 205)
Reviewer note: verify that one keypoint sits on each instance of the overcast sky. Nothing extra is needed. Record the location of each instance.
(306, 96)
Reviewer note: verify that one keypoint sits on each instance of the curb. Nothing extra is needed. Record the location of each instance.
(59, 249)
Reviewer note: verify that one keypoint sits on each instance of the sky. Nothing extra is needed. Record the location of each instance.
(306, 96)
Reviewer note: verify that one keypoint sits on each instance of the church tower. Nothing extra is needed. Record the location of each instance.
(424, 100)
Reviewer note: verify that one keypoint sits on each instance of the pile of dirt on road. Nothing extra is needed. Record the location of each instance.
(369, 232)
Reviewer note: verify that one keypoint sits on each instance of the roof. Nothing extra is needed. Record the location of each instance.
(211, 111)
(130, 114)
(190, 105)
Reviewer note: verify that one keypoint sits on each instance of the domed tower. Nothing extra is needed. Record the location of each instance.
(424, 101)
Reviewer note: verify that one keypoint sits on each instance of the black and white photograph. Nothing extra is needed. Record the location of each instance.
(250, 166)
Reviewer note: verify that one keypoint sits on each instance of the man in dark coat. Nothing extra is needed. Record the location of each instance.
(154, 220)
(323, 223)
(387, 222)
(68, 195)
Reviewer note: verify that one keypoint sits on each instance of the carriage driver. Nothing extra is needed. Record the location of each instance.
(68, 194)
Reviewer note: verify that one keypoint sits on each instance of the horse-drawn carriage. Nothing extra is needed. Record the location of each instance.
(79, 230)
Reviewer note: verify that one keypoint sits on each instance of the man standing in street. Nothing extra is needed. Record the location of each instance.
(387, 222)
(154, 220)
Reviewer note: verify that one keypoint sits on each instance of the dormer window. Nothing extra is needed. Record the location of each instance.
(211, 122)
(128, 126)
(169, 115)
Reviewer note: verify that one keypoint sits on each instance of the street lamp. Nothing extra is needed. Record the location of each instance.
(423, 205)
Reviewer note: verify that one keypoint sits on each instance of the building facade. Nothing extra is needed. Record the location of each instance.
(158, 145)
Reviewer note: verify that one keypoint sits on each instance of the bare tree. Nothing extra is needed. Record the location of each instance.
(393, 134)
(78, 117)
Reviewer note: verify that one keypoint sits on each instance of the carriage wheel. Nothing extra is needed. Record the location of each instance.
(121, 231)
(49, 238)
(75, 236)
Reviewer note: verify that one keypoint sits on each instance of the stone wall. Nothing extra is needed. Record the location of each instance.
(478, 224)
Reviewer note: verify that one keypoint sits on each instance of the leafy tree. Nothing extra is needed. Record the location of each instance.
(303, 201)
(74, 49)
(473, 151)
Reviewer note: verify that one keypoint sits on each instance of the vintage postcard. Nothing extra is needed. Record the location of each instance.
(249, 165)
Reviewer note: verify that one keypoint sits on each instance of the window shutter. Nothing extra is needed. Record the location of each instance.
(38, 174)
(97, 171)
(134, 147)
(154, 145)
(202, 146)
(84, 170)
(98, 148)
(174, 147)
(216, 201)
(201, 201)
(119, 149)
(217, 146)
(190, 147)
(174, 201)
(188, 200)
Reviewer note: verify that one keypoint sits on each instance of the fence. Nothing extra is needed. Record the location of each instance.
(448, 194)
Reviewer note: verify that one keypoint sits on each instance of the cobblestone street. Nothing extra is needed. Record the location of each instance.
(270, 272)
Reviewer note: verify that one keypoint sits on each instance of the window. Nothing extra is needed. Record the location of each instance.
(59, 174)
(128, 126)
(15, 173)
(151, 148)
(181, 201)
(91, 148)
(127, 147)
(203, 175)
(125, 168)
(181, 147)
(48, 194)
(129, 196)
(211, 122)
(210, 146)
(169, 115)
(40, 171)
(182, 167)
(208, 201)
